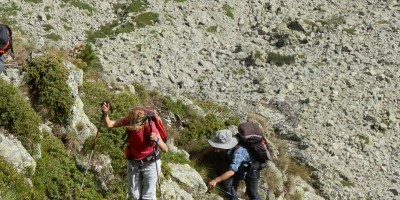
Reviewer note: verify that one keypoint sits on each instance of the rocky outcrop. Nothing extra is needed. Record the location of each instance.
(12, 151)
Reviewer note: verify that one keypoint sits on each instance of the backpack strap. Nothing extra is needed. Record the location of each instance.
(11, 39)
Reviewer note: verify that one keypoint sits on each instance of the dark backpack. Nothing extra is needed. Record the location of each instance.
(252, 137)
(151, 117)
(5, 39)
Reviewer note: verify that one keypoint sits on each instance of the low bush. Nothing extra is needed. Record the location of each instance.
(58, 177)
(50, 91)
(18, 116)
(88, 56)
(13, 184)
(279, 59)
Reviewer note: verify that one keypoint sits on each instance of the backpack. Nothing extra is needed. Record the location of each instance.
(5, 39)
(151, 117)
(252, 137)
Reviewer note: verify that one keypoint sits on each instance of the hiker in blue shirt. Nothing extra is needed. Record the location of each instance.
(239, 167)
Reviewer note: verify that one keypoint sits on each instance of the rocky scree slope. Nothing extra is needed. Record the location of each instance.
(326, 74)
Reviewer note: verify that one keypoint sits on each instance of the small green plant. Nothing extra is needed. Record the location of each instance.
(176, 107)
(350, 31)
(212, 29)
(174, 158)
(34, 1)
(88, 55)
(228, 11)
(347, 184)
(67, 28)
(47, 27)
(47, 8)
(239, 72)
(364, 138)
(48, 17)
(141, 92)
(332, 22)
(146, 19)
(383, 22)
(279, 59)
(53, 36)
(136, 6)
(257, 55)
(81, 5)
(48, 80)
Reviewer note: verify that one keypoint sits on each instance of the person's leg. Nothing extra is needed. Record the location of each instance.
(251, 180)
(150, 178)
(134, 180)
(230, 185)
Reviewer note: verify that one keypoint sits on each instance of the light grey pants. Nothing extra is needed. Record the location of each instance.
(142, 179)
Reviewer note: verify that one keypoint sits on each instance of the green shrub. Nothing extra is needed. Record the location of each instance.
(347, 184)
(58, 177)
(350, 31)
(136, 6)
(13, 184)
(212, 29)
(141, 92)
(47, 27)
(83, 6)
(146, 19)
(53, 36)
(88, 55)
(18, 116)
(228, 11)
(67, 28)
(197, 128)
(279, 59)
(34, 1)
(49, 88)
(365, 138)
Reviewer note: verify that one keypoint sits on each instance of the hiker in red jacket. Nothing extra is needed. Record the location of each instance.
(142, 154)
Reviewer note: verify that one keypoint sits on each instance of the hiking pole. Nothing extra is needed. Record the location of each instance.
(90, 157)
(226, 192)
(155, 156)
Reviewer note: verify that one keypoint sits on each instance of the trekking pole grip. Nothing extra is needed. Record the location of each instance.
(105, 102)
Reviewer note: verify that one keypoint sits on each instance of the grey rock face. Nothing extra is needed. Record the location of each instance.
(12, 151)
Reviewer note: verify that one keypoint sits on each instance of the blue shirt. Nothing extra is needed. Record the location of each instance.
(238, 157)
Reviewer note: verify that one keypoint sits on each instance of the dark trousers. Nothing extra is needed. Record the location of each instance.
(251, 181)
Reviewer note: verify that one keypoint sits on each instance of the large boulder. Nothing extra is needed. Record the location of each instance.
(13, 151)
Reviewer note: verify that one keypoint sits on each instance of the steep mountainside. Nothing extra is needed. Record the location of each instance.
(325, 74)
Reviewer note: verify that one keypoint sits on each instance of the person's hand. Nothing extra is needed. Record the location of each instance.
(105, 107)
(212, 184)
(154, 137)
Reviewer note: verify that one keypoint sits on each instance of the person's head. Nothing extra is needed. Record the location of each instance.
(137, 118)
(224, 139)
